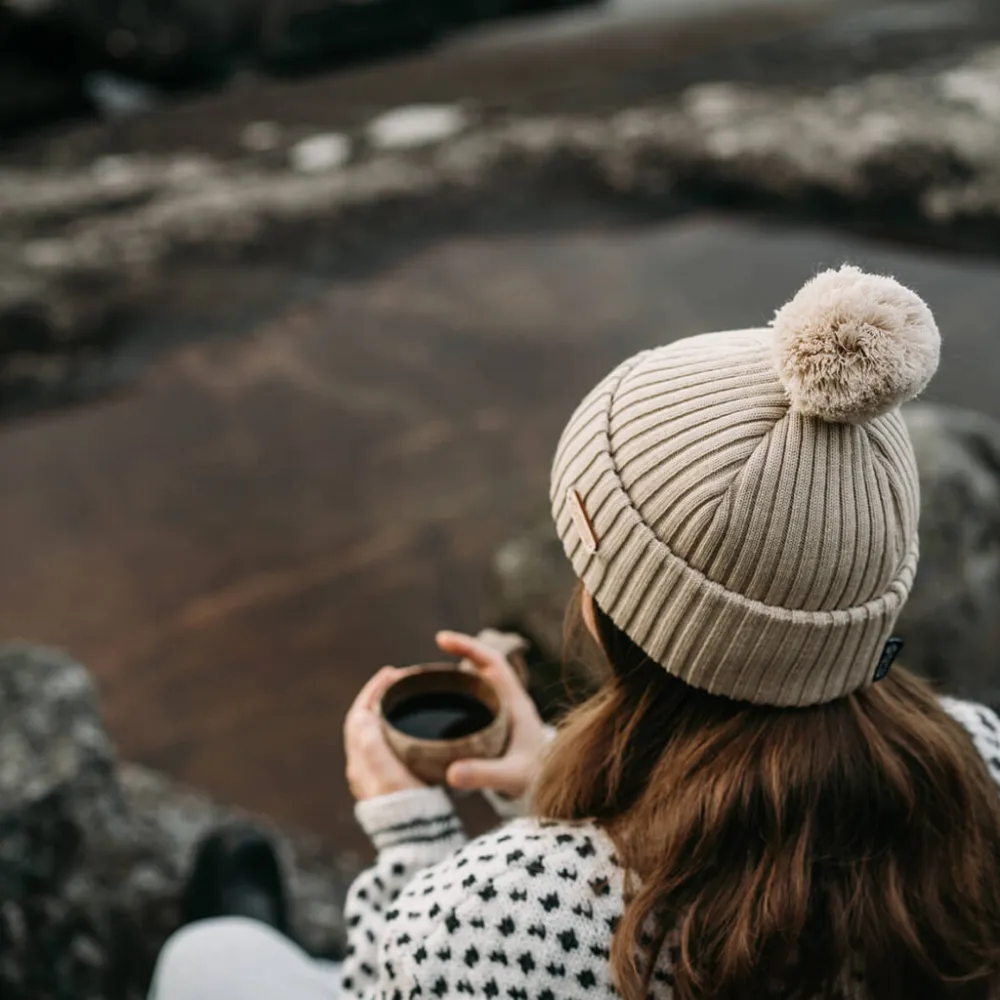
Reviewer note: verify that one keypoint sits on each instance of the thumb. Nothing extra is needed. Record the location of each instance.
(505, 776)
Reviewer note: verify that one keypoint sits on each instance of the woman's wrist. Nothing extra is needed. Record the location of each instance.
(417, 815)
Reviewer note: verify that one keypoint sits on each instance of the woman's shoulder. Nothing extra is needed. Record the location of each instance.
(537, 848)
(526, 864)
(532, 905)
(983, 726)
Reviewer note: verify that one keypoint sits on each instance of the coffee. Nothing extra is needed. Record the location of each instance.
(439, 715)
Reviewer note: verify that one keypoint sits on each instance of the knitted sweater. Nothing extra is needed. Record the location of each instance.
(526, 912)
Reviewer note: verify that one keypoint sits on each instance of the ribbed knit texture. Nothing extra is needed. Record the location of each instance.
(752, 551)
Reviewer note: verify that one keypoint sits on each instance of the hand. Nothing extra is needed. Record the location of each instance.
(512, 774)
(372, 768)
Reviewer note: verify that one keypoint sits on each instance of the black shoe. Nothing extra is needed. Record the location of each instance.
(236, 873)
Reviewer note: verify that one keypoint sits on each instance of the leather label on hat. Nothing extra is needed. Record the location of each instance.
(584, 526)
(892, 647)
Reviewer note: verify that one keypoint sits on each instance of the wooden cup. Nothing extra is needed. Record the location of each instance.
(428, 760)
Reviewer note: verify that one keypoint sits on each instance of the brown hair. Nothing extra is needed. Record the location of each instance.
(782, 850)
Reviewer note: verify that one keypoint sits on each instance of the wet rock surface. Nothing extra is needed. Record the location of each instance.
(950, 623)
(910, 152)
(92, 854)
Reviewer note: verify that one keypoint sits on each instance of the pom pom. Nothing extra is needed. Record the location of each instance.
(851, 346)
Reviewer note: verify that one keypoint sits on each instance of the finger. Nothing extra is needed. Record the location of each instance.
(506, 643)
(505, 776)
(460, 644)
(366, 702)
(381, 683)
(493, 664)
(366, 742)
(374, 689)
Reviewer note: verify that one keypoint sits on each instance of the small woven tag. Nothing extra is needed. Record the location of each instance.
(584, 526)
(892, 647)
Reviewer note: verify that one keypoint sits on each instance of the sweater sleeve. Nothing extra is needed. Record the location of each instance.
(983, 727)
(411, 831)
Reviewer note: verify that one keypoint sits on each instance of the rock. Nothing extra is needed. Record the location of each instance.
(119, 97)
(951, 624)
(320, 153)
(260, 137)
(34, 91)
(910, 147)
(418, 125)
(528, 587)
(32, 96)
(169, 820)
(909, 152)
(169, 43)
(299, 35)
(30, 8)
(92, 854)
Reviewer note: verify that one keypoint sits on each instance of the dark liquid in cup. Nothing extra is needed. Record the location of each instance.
(445, 715)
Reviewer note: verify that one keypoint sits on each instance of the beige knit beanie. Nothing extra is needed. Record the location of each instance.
(744, 504)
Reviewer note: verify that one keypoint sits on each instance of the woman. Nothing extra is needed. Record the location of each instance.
(754, 804)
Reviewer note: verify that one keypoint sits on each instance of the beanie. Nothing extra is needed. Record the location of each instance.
(744, 505)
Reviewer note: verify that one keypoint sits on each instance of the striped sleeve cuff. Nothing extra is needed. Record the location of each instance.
(416, 816)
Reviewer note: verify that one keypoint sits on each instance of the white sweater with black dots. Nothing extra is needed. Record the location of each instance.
(526, 912)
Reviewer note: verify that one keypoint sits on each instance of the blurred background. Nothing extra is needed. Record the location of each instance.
(296, 296)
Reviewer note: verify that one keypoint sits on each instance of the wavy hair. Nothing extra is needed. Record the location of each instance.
(850, 849)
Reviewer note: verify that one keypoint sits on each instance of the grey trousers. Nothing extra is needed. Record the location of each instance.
(233, 958)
